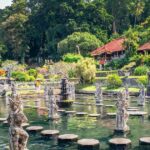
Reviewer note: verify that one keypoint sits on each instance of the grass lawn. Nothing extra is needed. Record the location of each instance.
(93, 88)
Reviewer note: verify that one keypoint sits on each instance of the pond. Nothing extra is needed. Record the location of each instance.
(86, 127)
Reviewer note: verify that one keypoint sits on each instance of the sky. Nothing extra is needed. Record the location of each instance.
(4, 3)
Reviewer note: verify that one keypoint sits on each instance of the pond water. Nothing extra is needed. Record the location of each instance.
(86, 127)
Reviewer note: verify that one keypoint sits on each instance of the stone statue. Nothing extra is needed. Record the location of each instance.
(71, 91)
(141, 99)
(53, 108)
(98, 94)
(46, 97)
(122, 114)
(127, 94)
(18, 136)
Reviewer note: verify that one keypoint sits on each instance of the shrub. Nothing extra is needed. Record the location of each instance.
(86, 70)
(40, 76)
(113, 81)
(2, 72)
(20, 76)
(143, 80)
(32, 72)
(72, 57)
(31, 78)
(141, 70)
(71, 73)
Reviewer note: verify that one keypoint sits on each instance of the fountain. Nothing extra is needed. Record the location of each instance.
(53, 108)
(141, 99)
(18, 136)
(98, 94)
(122, 114)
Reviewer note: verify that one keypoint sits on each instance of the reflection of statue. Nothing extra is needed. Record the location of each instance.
(53, 108)
(122, 114)
(18, 137)
(98, 94)
(141, 100)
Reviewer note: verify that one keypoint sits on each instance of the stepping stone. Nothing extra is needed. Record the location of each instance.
(50, 133)
(24, 125)
(119, 144)
(61, 111)
(137, 113)
(81, 114)
(70, 112)
(67, 138)
(145, 141)
(2, 119)
(88, 144)
(99, 104)
(132, 109)
(94, 115)
(5, 123)
(34, 129)
(111, 114)
(109, 105)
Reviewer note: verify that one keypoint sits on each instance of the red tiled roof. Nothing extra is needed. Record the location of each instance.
(145, 46)
(113, 46)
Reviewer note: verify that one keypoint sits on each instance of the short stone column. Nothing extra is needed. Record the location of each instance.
(67, 138)
(119, 144)
(144, 143)
(88, 144)
(50, 134)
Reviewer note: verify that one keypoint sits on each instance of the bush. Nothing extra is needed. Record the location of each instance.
(31, 78)
(72, 57)
(143, 80)
(116, 64)
(86, 70)
(113, 81)
(71, 73)
(40, 76)
(2, 72)
(32, 72)
(141, 70)
(20, 76)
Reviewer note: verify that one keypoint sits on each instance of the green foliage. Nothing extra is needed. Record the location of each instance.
(20, 76)
(32, 72)
(72, 57)
(86, 70)
(143, 80)
(79, 42)
(141, 70)
(116, 64)
(129, 66)
(113, 81)
(71, 73)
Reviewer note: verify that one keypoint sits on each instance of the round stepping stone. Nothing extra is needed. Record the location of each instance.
(24, 125)
(99, 104)
(34, 129)
(50, 133)
(81, 114)
(94, 115)
(70, 112)
(5, 123)
(109, 105)
(2, 119)
(61, 111)
(137, 113)
(67, 138)
(111, 114)
(145, 141)
(88, 144)
(119, 144)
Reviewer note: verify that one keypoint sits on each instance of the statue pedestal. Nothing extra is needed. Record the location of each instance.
(120, 132)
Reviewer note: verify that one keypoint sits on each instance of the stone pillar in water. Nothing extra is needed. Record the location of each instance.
(64, 89)
(122, 114)
(17, 135)
(148, 86)
(98, 94)
(53, 108)
(141, 99)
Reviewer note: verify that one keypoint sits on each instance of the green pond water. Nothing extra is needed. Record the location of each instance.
(86, 127)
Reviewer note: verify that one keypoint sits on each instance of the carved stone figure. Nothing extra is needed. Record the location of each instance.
(53, 108)
(18, 136)
(46, 97)
(127, 95)
(98, 94)
(141, 99)
(122, 114)
(71, 91)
